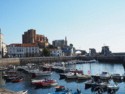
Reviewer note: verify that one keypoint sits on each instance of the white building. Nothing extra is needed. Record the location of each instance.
(23, 50)
(56, 52)
(3, 49)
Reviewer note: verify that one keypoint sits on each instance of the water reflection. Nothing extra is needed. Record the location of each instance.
(97, 68)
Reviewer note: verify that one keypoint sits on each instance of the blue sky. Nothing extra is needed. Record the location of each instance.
(86, 23)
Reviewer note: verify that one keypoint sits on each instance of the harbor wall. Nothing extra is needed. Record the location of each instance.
(18, 61)
(9, 61)
(111, 59)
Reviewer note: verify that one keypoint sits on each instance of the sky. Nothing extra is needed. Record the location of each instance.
(85, 23)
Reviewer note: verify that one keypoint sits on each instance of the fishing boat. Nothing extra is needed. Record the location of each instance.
(45, 83)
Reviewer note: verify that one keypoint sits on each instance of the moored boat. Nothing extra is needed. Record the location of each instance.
(71, 75)
(111, 89)
(59, 88)
(45, 83)
(83, 77)
(17, 79)
(116, 76)
(105, 76)
(36, 81)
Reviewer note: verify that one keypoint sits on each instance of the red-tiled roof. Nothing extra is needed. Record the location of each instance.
(24, 45)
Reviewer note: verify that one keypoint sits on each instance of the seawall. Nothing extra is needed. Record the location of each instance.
(18, 61)
(9, 61)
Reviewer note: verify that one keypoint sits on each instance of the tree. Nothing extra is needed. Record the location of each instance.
(46, 52)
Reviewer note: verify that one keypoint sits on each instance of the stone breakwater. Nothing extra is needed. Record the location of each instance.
(18, 61)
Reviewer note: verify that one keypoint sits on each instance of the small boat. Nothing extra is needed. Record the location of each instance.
(17, 79)
(59, 88)
(88, 84)
(111, 89)
(46, 83)
(116, 76)
(36, 81)
(83, 77)
(96, 86)
(105, 75)
(71, 75)
(10, 78)
(41, 73)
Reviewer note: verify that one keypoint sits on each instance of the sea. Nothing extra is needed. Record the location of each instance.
(87, 68)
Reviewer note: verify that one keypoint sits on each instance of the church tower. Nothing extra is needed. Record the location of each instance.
(65, 41)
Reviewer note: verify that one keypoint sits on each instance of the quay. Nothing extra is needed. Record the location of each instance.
(19, 61)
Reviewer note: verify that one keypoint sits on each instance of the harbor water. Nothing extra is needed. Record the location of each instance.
(88, 68)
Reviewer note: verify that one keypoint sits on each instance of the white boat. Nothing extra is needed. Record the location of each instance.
(105, 75)
(35, 81)
(111, 89)
(83, 77)
(112, 86)
(43, 73)
(71, 75)
(54, 84)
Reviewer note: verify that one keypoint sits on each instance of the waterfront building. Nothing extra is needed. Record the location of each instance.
(3, 49)
(30, 36)
(23, 50)
(56, 52)
(92, 52)
(60, 43)
(68, 50)
(106, 51)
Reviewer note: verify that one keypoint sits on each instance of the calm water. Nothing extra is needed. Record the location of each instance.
(94, 68)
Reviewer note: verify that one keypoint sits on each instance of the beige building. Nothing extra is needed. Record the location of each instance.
(30, 36)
